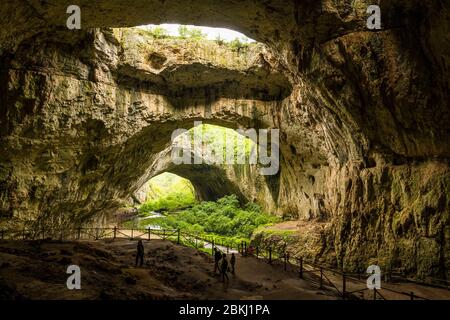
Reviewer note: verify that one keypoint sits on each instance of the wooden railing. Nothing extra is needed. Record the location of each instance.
(329, 277)
(88, 234)
(325, 276)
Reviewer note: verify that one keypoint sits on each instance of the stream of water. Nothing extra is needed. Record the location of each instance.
(152, 215)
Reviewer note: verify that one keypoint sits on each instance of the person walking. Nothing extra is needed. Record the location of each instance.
(224, 268)
(217, 257)
(233, 262)
(140, 254)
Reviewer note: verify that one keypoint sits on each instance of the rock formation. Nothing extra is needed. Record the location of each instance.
(363, 115)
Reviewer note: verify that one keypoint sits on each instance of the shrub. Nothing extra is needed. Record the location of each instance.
(168, 192)
(225, 217)
(238, 44)
(185, 32)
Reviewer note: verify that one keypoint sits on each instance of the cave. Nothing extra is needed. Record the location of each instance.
(87, 114)
(207, 170)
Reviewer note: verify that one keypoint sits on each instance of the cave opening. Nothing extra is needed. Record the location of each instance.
(181, 31)
(172, 188)
(337, 92)
(218, 156)
(166, 192)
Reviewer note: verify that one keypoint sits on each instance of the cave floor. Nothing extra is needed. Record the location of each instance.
(37, 270)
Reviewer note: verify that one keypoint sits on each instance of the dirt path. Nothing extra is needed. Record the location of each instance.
(254, 279)
(37, 270)
(389, 290)
(357, 286)
(272, 283)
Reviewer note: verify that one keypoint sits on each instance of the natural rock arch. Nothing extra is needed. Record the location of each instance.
(213, 181)
(367, 117)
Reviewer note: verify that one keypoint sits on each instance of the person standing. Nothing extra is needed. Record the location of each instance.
(224, 268)
(232, 262)
(140, 254)
(217, 257)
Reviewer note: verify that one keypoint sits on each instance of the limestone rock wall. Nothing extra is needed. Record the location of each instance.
(78, 135)
(364, 119)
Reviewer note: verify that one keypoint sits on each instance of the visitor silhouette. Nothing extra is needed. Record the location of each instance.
(217, 257)
(233, 262)
(140, 254)
(224, 268)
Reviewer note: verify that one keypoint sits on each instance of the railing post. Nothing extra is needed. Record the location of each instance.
(321, 278)
(344, 284)
(178, 237)
(300, 271)
(164, 234)
(257, 252)
(115, 232)
(270, 255)
(286, 260)
(228, 247)
(212, 247)
(149, 233)
(96, 233)
(79, 234)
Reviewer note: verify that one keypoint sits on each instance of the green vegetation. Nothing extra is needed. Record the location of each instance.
(239, 44)
(168, 192)
(185, 32)
(225, 217)
(267, 232)
(278, 240)
(216, 138)
(158, 33)
(195, 34)
(189, 45)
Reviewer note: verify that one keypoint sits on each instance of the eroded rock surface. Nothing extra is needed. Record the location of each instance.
(364, 116)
